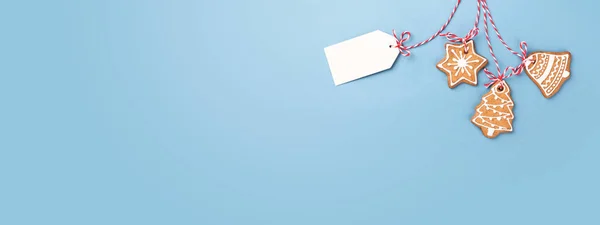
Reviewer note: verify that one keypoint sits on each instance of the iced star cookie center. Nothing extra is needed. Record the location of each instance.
(462, 62)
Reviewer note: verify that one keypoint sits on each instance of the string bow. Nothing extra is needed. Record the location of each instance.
(456, 39)
(493, 78)
(400, 41)
(524, 59)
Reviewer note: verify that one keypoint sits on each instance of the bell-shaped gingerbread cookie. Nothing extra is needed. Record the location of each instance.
(549, 70)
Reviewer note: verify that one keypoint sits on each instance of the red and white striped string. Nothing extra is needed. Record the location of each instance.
(470, 35)
(487, 15)
(405, 50)
(486, 8)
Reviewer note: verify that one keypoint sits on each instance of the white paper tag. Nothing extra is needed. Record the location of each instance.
(361, 56)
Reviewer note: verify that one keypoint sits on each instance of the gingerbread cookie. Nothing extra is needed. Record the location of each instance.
(461, 64)
(549, 70)
(494, 113)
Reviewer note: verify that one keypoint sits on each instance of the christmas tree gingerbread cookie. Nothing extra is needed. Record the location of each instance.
(494, 113)
(461, 64)
(549, 70)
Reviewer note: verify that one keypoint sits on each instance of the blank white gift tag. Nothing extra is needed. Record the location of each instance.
(361, 56)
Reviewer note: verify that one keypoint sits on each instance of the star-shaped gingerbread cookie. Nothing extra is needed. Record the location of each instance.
(461, 66)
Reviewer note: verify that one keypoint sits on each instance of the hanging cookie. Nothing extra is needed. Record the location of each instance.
(494, 113)
(461, 64)
(549, 70)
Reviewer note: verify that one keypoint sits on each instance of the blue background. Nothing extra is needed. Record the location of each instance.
(225, 113)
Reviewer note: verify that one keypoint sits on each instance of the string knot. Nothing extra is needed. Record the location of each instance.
(456, 39)
(493, 78)
(400, 41)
